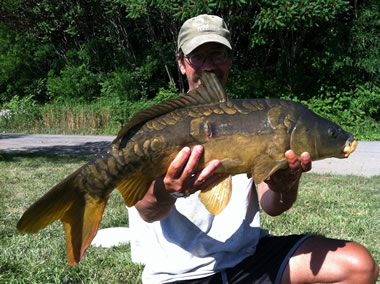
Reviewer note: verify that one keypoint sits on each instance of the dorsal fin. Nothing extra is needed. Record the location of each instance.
(212, 87)
(210, 91)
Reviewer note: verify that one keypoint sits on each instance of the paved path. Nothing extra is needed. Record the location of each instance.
(54, 144)
(365, 161)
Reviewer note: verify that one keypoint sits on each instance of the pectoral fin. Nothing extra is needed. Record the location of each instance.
(265, 166)
(134, 188)
(217, 198)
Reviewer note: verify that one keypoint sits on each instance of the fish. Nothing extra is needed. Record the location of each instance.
(247, 135)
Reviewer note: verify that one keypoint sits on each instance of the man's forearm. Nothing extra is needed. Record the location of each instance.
(275, 203)
(156, 204)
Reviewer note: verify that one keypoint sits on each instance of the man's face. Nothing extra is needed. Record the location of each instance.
(207, 57)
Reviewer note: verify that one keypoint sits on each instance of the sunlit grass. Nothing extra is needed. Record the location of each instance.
(335, 206)
(41, 258)
(345, 207)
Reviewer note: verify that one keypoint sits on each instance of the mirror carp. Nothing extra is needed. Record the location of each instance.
(248, 136)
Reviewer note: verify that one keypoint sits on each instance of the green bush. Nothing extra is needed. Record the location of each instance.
(356, 111)
(23, 113)
(122, 110)
(74, 83)
(351, 107)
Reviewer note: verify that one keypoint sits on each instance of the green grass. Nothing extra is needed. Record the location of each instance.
(334, 206)
(345, 207)
(41, 258)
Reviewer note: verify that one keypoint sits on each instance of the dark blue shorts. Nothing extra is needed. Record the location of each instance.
(266, 265)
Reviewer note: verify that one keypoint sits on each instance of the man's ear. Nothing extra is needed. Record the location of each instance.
(181, 65)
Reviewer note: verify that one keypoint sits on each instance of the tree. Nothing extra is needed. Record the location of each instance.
(283, 26)
(85, 48)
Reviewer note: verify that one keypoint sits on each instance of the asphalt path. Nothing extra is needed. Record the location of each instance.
(365, 161)
(54, 144)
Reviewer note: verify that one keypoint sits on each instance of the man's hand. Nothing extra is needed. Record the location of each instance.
(285, 180)
(182, 178)
(279, 192)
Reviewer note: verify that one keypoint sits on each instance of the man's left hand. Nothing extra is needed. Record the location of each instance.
(286, 179)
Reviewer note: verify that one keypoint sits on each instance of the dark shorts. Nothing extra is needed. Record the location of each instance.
(266, 265)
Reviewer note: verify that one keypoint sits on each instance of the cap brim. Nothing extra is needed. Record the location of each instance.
(202, 39)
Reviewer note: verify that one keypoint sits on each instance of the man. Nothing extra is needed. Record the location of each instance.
(187, 244)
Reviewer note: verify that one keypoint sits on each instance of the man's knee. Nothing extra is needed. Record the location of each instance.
(331, 260)
(360, 264)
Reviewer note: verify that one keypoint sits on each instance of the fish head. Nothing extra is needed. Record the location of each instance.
(321, 138)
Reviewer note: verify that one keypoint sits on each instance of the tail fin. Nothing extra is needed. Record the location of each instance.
(79, 212)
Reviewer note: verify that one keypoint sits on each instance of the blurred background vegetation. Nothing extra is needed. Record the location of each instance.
(85, 66)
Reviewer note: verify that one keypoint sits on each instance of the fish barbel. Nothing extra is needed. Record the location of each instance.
(248, 136)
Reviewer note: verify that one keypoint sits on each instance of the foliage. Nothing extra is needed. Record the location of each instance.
(73, 83)
(282, 30)
(94, 52)
(74, 118)
(365, 38)
(104, 116)
(297, 16)
(23, 66)
(123, 109)
(131, 84)
(21, 113)
(24, 105)
(356, 111)
(351, 106)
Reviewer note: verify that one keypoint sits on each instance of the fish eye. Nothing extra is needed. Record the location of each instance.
(332, 132)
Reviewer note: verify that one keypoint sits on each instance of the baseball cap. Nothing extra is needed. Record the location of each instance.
(203, 29)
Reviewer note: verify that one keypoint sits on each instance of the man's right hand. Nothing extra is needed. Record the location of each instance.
(181, 179)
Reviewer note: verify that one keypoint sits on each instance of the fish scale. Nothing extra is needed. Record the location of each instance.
(248, 136)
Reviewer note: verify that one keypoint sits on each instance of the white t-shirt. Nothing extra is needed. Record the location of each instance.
(192, 243)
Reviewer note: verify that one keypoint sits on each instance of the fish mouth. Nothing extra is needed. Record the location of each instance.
(350, 147)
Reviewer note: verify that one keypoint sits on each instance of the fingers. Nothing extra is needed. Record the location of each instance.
(306, 161)
(185, 163)
(303, 163)
(193, 162)
(181, 177)
(207, 171)
(176, 167)
(292, 159)
(207, 177)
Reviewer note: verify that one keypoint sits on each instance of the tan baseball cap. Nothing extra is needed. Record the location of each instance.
(203, 29)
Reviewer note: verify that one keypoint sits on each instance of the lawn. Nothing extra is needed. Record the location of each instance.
(344, 207)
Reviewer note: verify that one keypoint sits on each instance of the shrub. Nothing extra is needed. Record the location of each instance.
(122, 110)
(22, 113)
(356, 111)
(74, 83)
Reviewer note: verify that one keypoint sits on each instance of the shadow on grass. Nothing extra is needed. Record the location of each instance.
(10, 268)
